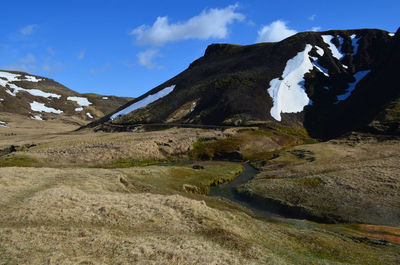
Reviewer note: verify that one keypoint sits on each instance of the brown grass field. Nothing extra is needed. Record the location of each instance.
(87, 198)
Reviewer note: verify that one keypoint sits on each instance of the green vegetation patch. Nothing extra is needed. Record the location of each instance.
(217, 149)
(310, 182)
(18, 161)
(126, 163)
(183, 178)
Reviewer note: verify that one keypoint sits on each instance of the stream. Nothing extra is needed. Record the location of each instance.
(228, 191)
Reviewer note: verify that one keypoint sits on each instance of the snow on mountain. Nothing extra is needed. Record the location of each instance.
(319, 67)
(89, 115)
(354, 42)
(320, 51)
(40, 107)
(80, 100)
(37, 117)
(6, 78)
(288, 92)
(358, 76)
(144, 102)
(335, 51)
(34, 92)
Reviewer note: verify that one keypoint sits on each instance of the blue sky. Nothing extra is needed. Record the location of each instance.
(126, 48)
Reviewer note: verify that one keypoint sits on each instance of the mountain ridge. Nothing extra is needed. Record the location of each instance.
(229, 84)
(43, 98)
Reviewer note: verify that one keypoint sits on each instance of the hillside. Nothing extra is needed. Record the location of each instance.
(41, 98)
(289, 82)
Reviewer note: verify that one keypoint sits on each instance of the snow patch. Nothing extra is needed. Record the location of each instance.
(16, 77)
(104, 97)
(11, 93)
(288, 92)
(79, 109)
(89, 115)
(37, 117)
(354, 43)
(335, 51)
(80, 100)
(319, 67)
(33, 92)
(32, 79)
(9, 76)
(1, 99)
(194, 106)
(3, 124)
(144, 102)
(40, 107)
(320, 51)
(391, 34)
(358, 76)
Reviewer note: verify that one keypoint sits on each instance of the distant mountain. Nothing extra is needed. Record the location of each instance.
(317, 80)
(42, 98)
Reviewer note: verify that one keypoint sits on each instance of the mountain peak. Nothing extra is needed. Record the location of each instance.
(292, 82)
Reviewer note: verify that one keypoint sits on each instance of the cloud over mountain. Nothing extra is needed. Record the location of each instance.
(276, 31)
(210, 23)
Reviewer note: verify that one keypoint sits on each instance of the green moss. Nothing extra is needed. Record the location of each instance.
(311, 182)
(310, 141)
(207, 150)
(126, 163)
(212, 174)
(263, 133)
(296, 130)
(18, 161)
(201, 151)
(392, 112)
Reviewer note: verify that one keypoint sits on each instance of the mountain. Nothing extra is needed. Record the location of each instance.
(42, 98)
(306, 80)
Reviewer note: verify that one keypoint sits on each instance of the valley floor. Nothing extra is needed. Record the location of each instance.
(118, 198)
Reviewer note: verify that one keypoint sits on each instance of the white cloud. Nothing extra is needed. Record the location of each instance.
(146, 58)
(211, 23)
(276, 31)
(316, 29)
(312, 17)
(81, 55)
(102, 69)
(28, 30)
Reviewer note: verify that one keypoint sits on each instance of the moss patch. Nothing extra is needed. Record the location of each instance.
(18, 161)
(126, 163)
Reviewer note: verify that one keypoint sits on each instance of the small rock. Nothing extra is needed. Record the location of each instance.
(197, 167)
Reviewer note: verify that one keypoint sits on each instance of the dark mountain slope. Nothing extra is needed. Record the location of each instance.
(374, 106)
(230, 84)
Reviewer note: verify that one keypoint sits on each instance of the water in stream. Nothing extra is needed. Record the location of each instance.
(228, 191)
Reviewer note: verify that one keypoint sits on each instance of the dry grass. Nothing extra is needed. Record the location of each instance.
(56, 210)
(108, 149)
(90, 216)
(359, 182)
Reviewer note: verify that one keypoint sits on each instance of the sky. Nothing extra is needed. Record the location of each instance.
(125, 48)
